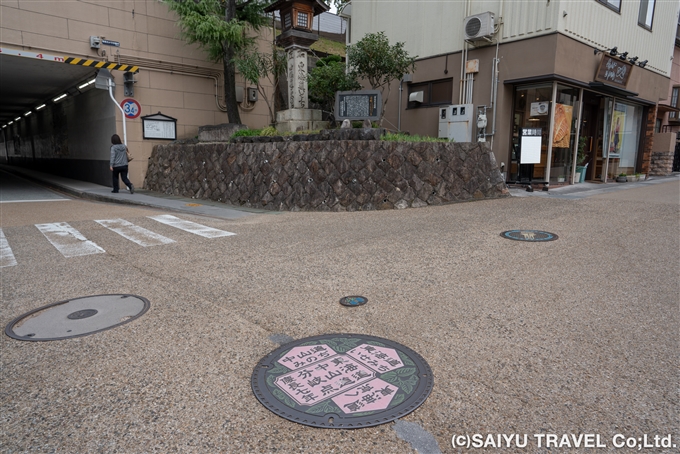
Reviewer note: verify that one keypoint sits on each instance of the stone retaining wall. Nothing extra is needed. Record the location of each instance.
(327, 175)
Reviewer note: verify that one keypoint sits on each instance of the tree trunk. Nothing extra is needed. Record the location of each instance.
(230, 70)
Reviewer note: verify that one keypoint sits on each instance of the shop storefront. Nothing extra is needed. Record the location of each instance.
(566, 131)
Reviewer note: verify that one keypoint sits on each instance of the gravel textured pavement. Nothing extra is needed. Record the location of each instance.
(574, 336)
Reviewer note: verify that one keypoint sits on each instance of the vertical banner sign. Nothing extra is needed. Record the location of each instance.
(618, 124)
(562, 130)
(530, 148)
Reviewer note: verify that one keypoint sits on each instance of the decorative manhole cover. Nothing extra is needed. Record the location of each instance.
(529, 235)
(342, 381)
(353, 301)
(77, 317)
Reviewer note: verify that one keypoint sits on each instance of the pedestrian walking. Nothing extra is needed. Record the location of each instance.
(119, 164)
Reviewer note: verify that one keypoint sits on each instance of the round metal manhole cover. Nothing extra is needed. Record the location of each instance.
(77, 317)
(353, 301)
(529, 235)
(342, 381)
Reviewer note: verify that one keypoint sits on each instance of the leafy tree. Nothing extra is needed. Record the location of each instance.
(255, 66)
(327, 77)
(375, 60)
(339, 4)
(221, 27)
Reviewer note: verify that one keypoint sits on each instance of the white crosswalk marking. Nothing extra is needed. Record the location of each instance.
(134, 233)
(68, 240)
(191, 227)
(6, 255)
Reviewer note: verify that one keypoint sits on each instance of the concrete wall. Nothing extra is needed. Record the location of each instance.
(174, 78)
(327, 175)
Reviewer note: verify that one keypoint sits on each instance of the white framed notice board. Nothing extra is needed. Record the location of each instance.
(159, 126)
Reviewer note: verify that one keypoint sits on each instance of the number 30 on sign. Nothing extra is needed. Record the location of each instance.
(131, 108)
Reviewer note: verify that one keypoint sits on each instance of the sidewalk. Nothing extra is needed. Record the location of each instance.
(141, 197)
(588, 189)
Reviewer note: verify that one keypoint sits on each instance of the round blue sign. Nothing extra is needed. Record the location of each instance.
(131, 108)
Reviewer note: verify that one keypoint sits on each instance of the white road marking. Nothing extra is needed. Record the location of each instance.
(68, 240)
(191, 227)
(134, 233)
(6, 255)
(36, 200)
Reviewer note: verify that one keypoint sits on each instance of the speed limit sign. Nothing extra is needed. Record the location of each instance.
(131, 108)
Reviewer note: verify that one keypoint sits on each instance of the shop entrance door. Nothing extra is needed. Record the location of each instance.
(592, 133)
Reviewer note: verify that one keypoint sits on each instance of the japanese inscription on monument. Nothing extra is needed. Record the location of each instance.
(358, 105)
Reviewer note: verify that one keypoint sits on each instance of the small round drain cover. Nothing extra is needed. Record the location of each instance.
(353, 301)
(529, 235)
(77, 317)
(342, 381)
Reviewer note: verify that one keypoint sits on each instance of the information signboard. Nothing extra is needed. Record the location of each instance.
(159, 126)
(358, 105)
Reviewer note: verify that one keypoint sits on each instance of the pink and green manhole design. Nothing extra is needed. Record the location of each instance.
(342, 381)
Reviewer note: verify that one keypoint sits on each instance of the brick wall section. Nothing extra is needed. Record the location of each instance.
(649, 141)
(663, 154)
(327, 175)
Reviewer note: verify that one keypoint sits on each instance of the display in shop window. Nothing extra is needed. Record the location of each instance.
(562, 128)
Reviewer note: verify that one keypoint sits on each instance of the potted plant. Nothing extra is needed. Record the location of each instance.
(631, 178)
(641, 176)
(560, 179)
(621, 178)
(581, 160)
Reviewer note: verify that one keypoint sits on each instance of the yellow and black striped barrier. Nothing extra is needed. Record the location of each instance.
(100, 64)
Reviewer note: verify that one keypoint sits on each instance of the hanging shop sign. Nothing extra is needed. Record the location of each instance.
(159, 126)
(613, 71)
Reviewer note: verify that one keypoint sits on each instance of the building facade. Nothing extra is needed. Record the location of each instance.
(561, 90)
(666, 152)
(50, 49)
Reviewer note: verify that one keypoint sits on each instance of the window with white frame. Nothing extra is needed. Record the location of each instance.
(646, 16)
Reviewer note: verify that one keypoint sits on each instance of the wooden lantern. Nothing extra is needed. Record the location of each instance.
(296, 21)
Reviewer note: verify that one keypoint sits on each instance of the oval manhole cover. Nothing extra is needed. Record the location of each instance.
(353, 301)
(342, 381)
(529, 235)
(77, 317)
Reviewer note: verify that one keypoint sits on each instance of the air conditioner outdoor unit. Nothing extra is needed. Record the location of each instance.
(479, 26)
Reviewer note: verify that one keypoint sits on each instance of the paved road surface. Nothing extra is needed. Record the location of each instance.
(575, 336)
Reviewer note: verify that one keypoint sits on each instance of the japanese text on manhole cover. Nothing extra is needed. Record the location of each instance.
(342, 381)
(529, 235)
(77, 317)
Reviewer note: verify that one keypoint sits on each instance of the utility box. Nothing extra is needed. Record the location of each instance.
(455, 122)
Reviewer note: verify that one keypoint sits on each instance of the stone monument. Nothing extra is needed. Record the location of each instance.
(296, 37)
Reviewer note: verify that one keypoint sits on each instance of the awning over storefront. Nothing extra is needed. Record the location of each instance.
(663, 108)
(599, 87)
(611, 90)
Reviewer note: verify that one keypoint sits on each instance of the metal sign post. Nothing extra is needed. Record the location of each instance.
(104, 81)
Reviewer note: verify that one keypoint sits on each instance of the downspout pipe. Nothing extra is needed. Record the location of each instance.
(122, 112)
